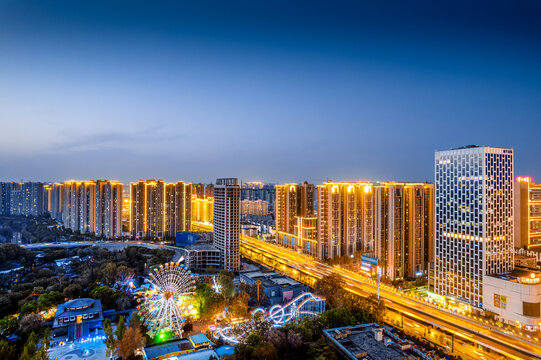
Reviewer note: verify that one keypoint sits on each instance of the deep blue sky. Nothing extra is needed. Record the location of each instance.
(264, 90)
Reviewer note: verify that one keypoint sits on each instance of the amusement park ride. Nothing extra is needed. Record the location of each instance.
(165, 305)
(306, 304)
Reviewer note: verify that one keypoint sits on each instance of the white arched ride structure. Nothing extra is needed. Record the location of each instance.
(306, 304)
(164, 306)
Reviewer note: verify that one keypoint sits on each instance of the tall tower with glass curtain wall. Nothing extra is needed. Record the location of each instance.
(227, 222)
(473, 219)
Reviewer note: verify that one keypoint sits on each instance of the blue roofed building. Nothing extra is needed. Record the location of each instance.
(77, 319)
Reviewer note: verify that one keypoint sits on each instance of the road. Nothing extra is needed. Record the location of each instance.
(110, 245)
(304, 268)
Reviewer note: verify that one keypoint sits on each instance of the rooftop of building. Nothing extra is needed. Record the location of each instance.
(171, 347)
(521, 275)
(78, 307)
(201, 247)
(270, 278)
(360, 342)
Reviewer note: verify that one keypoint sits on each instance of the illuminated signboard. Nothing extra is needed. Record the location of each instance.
(526, 179)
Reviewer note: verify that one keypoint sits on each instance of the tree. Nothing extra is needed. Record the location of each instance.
(135, 320)
(73, 291)
(332, 288)
(110, 342)
(48, 300)
(225, 280)
(30, 323)
(123, 303)
(187, 327)
(120, 328)
(30, 346)
(107, 273)
(239, 304)
(124, 274)
(130, 342)
(7, 351)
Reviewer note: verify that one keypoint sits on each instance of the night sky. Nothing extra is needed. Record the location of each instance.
(264, 90)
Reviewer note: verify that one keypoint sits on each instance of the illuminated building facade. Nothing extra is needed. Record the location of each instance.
(306, 232)
(108, 216)
(474, 219)
(292, 201)
(404, 223)
(203, 209)
(256, 190)
(254, 207)
(178, 208)
(54, 200)
(23, 198)
(159, 209)
(527, 215)
(227, 222)
(79, 206)
(345, 219)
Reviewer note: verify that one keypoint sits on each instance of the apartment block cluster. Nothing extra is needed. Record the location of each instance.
(391, 222)
(463, 231)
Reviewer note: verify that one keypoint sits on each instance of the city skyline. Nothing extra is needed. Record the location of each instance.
(355, 92)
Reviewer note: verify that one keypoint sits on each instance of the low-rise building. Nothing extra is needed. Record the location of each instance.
(77, 319)
(196, 347)
(372, 341)
(279, 288)
(201, 256)
(514, 298)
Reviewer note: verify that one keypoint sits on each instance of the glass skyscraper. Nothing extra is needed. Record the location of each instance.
(473, 219)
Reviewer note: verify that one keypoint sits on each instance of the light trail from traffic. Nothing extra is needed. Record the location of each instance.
(307, 270)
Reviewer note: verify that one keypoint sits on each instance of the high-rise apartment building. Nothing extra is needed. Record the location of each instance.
(256, 190)
(159, 209)
(292, 201)
(5, 193)
(79, 206)
(474, 219)
(403, 230)
(203, 209)
(108, 209)
(527, 213)
(345, 219)
(55, 202)
(227, 222)
(178, 208)
(23, 198)
(254, 207)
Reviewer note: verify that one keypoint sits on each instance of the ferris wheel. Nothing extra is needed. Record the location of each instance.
(164, 306)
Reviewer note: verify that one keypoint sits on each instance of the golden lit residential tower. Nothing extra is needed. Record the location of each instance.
(159, 209)
(178, 208)
(56, 193)
(203, 209)
(292, 201)
(306, 232)
(227, 222)
(403, 228)
(79, 205)
(345, 219)
(527, 216)
(108, 209)
(254, 207)
(147, 208)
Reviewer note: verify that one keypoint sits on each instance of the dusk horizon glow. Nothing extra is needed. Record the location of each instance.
(271, 92)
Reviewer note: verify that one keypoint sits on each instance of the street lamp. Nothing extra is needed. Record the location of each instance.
(378, 269)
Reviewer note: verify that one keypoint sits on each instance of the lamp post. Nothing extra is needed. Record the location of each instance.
(258, 282)
(379, 275)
